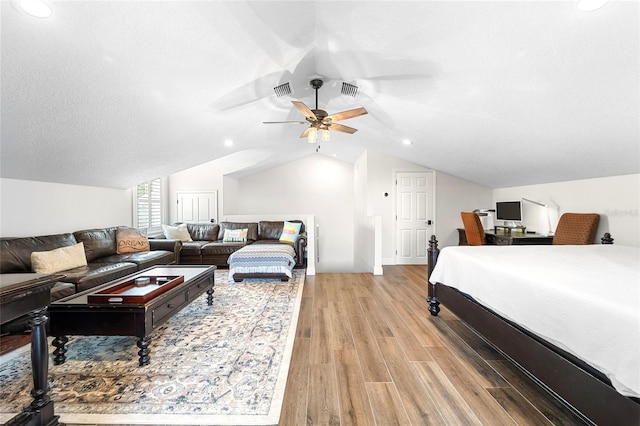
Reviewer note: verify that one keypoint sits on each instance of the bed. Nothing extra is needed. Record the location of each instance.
(262, 261)
(521, 299)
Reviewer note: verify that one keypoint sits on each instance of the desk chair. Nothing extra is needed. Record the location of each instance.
(473, 229)
(576, 229)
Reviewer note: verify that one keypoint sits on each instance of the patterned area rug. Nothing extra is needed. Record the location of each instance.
(215, 365)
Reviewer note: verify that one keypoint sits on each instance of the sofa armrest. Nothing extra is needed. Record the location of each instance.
(299, 246)
(170, 245)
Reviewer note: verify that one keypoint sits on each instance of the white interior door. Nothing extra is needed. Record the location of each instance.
(197, 207)
(414, 216)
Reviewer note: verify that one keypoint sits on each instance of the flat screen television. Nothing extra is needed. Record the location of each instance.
(509, 210)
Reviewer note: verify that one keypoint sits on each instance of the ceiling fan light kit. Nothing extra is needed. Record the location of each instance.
(320, 120)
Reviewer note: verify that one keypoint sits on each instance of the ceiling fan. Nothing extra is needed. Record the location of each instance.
(320, 120)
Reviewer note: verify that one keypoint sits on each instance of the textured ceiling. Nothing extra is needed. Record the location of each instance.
(112, 93)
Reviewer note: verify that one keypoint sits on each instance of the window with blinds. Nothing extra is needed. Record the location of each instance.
(149, 206)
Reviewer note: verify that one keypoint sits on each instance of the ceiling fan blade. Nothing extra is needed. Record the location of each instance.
(305, 133)
(342, 128)
(284, 122)
(338, 116)
(304, 110)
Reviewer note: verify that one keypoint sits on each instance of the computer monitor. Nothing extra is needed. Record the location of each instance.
(509, 210)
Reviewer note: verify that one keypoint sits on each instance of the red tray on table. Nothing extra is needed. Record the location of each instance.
(136, 290)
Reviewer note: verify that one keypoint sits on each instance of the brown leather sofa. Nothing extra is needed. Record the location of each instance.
(103, 262)
(208, 247)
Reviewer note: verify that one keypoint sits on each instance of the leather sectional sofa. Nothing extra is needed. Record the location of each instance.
(103, 262)
(209, 248)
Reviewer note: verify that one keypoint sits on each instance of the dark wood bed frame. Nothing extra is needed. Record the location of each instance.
(580, 387)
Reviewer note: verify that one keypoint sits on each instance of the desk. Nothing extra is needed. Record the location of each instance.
(504, 239)
(22, 294)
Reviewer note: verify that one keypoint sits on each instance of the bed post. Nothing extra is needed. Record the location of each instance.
(432, 258)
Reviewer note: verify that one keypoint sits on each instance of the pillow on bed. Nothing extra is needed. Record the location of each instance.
(60, 259)
(235, 235)
(290, 232)
(179, 232)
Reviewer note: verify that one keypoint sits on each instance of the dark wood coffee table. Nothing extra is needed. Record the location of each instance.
(124, 308)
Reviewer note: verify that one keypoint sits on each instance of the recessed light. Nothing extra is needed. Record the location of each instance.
(406, 142)
(36, 8)
(591, 5)
(228, 142)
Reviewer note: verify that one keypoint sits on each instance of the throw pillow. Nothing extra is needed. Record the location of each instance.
(290, 232)
(131, 240)
(179, 232)
(235, 235)
(60, 259)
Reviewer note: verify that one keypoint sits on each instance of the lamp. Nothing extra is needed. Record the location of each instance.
(312, 136)
(546, 208)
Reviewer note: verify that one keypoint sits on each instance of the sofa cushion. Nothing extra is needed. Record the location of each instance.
(97, 242)
(94, 274)
(131, 240)
(192, 248)
(203, 231)
(60, 259)
(143, 259)
(220, 248)
(179, 232)
(60, 290)
(16, 252)
(252, 229)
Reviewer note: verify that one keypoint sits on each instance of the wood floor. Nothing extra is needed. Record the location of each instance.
(367, 352)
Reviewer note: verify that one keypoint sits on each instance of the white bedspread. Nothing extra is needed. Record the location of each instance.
(583, 299)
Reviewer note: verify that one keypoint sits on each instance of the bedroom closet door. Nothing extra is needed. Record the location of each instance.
(414, 216)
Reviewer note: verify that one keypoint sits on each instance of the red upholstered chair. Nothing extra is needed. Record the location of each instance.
(473, 229)
(576, 228)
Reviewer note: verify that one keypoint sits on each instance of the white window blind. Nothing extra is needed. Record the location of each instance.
(149, 206)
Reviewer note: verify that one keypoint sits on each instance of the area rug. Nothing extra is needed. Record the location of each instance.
(210, 365)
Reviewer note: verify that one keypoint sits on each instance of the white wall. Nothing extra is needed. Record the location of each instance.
(381, 170)
(455, 195)
(616, 199)
(229, 195)
(207, 177)
(318, 185)
(31, 208)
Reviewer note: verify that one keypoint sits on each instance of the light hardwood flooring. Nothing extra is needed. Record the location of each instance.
(367, 352)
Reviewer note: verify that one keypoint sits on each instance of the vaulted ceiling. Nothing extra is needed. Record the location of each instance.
(112, 93)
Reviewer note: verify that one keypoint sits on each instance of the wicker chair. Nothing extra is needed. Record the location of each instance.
(576, 229)
(473, 229)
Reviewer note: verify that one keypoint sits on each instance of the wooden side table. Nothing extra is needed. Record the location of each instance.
(22, 294)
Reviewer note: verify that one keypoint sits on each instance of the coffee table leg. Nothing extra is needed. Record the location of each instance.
(59, 342)
(40, 412)
(143, 344)
(39, 359)
(210, 296)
